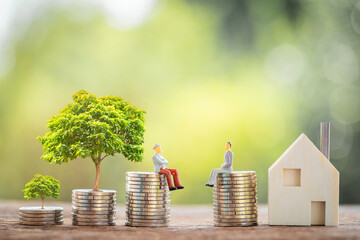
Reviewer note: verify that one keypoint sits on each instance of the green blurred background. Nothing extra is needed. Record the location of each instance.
(256, 73)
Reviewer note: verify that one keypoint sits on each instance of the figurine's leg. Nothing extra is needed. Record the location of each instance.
(167, 174)
(213, 175)
(175, 174)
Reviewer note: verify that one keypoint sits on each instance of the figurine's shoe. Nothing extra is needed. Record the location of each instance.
(172, 188)
(209, 185)
(181, 187)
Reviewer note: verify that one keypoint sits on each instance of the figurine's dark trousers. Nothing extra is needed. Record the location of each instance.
(171, 172)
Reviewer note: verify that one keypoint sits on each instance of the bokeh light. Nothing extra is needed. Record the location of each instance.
(256, 73)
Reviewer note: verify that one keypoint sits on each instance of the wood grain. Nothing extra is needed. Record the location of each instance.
(187, 222)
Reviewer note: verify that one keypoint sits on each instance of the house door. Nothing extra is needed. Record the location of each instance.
(317, 213)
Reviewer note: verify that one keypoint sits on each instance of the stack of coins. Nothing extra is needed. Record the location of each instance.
(235, 199)
(93, 208)
(147, 200)
(36, 216)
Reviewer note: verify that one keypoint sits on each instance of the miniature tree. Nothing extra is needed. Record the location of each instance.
(94, 127)
(41, 187)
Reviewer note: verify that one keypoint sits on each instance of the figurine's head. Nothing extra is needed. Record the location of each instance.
(157, 148)
(228, 145)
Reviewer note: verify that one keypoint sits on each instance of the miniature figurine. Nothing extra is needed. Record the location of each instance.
(160, 167)
(225, 167)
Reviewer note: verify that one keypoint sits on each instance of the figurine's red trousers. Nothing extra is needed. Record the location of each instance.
(168, 172)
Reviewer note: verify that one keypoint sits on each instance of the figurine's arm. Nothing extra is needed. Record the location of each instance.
(159, 160)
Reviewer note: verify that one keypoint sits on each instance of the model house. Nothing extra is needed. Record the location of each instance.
(303, 187)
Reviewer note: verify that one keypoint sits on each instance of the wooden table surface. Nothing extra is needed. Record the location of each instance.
(187, 222)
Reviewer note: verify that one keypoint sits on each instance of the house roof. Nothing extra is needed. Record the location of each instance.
(300, 140)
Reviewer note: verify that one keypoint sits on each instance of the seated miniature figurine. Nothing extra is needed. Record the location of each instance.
(225, 167)
(160, 167)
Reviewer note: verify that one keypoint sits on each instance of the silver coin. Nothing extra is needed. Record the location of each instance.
(144, 174)
(234, 186)
(94, 223)
(88, 216)
(148, 190)
(146, 184)
(215, 193)
(145, 206)
(164, 220)
(95, 197)
(229, 215)
(229, 211)
(158, 210)
(233, 212)
(142, 211)
(157, 195)
(147, 187)
(233, 198)
(234, 190)
(146, 224)
(40, 219)
(233, 201)
(40, 215)
(234, 220)
(235, 224)
(96, 205)
(90, 201)
(249, 207)
(233, 207)
(147, 213)
(149, 202)
(161, 217)
(235, 178)
(101, 192)
(217, 220)
(138, 180)
(39, 223)
(38, 209)
(160, 198)
(237, 173)
(235, 182)
(93, 220)
(94, 208)
(107, 212)
(90, 198)
(148, 194)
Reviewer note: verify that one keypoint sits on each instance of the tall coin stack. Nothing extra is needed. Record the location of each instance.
(235, 199)
(36, 216)
(93, 208)
(147, 200)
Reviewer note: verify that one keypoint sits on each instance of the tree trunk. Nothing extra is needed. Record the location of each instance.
(96, 186)
(43, 200)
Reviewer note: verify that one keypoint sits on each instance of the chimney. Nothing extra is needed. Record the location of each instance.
(325, 139)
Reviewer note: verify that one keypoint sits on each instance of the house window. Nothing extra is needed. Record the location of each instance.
(292, 177)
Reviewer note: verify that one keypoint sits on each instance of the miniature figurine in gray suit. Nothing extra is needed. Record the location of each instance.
(225, 167)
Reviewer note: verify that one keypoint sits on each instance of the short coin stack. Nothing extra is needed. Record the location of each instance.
(235, 199)
(36, 216)
(147, 200)
(93, 208)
